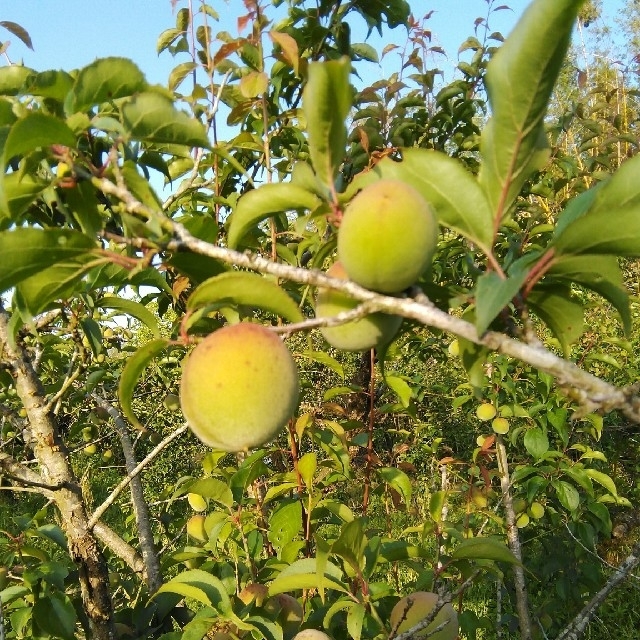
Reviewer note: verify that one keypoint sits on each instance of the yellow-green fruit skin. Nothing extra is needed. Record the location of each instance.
(387, 236)
(239, 387)
(311, 634)
(422, 603)
(195, 528)
(373, 330)
(196, 502)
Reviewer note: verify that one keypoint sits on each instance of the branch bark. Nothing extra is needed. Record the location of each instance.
(55, 470)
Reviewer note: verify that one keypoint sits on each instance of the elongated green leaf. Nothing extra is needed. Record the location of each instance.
(560, 311)
(27, 251)
(245, 288)
(396, 550)
(603, 480)
(131, 373)
(131, 308)
(325, 359)
(326, 103)
(355, 620)
(103, 80)
(18, 31)
(49, 84)
(201, 586)
(398, 480)
(351, 544)
(493, 294)
(400, 388)
(213, 488)
(519, 80)
(34, 131)
(285, 523)
(614, 232)
(601, 274)
(454, 194)
(302, 574)
(307, 466)
(484, 549)
(259, 204)
(152, 117)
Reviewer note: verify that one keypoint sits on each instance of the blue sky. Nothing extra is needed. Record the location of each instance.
(72, 33)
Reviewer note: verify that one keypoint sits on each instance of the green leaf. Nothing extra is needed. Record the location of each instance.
(27, 251)
(603, 480)
(131, 308)
(302, 574)
(326, 102)
(307, 466)
(493, 294)
(396, 550)
(519, 80)
(213, 488)
(355, 620)
(536, 442)
(484, 549)
(56, 616)
(54, 533)
(285, 523)
(453, 192)
(36, 130)
(16, 194)
(201, 586)
(245, 288)
(560, 311)
(614, 231)
(152, 117)
(601, 274)
(567, 494)
(351, 544)
(398, 480)
(49, 84)
(325, 359)
(12, 78)
(102, 81)
(19, 32)
(131, 373)
(259, 204)
(400, 388)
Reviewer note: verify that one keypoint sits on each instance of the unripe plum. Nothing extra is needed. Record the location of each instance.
(360, 335)
(486, 411)
(196, 502)
(410, 610)
(239, 387)
(311, 634)
(387, 236)
(289, 612)
(195, 528)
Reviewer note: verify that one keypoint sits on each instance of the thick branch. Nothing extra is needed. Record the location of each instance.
(122, 549)
(578, 625)
(140, 506)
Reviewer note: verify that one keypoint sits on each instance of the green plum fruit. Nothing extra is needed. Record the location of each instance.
(171, 402)
(195, 528)
(239, 387)
(500, 425)
(486, 411)
(196, 502)
(90, 450)
(536, 510)
(387, 236)
(411, 609)
(366, 333)
(311, 634)
(288, 610)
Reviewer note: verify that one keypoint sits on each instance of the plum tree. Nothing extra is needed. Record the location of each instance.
(411, 609)
(239, 387)
(371, 331)
(387, 236)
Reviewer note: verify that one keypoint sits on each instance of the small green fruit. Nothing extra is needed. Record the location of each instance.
(289, 612)
(486, 411)
(10, 434)
(239, 387)
(311, 634)
(171, 402)
(108, 333)
(87, 434)
(413, 608)
(107, 455)
(196, 502)
(522, 521)
(536, 510)
(454, 348)
(195, 528)
(371, 331)
(254, 591)
(479, 497)
(519, 505)
(90, 450)
(500, 425)
(4, 577)
(22, 413)
(387, 236)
